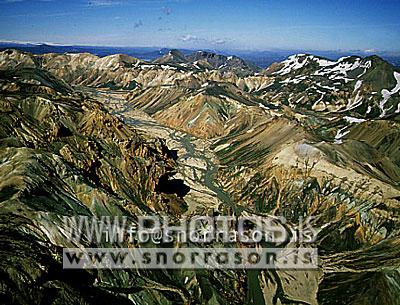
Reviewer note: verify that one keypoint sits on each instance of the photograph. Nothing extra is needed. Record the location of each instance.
(199, 152)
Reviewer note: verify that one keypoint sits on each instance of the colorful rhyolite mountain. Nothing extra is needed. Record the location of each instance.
(202, 134)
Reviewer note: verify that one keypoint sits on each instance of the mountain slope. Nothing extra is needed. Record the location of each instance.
(173, 57)
(224, 63)
(185, 136)
(366, 87)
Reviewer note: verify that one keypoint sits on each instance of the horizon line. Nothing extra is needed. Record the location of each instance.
(367, 51)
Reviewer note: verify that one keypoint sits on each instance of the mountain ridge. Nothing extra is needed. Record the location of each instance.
(259, 58)
(117, 136)
(360, 87)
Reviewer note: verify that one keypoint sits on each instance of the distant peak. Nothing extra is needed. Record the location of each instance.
(173, 56)
(176, 52)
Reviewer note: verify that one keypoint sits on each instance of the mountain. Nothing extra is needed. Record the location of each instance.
(209, 61)
(65, 154)
(224, 63)
(259, 58)
(200, 134)
(360, 87)
(365, 87)
(172, 57)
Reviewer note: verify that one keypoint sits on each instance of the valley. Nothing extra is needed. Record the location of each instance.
(200, 134)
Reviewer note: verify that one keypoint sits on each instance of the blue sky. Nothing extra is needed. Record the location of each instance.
(219, 24)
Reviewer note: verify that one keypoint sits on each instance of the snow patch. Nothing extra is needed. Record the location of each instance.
(357, 85)
(221, 147)
(341, 68)
(293, 63)
(353, 120)
(340, 134)
(324, 62)
(295, 81)
(300, 99)
(354, 103)
(326, 87)
(386, 94)
(165, 67)
(147, 66)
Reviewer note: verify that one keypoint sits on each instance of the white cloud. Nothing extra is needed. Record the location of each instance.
(219, 41)
(189, 37)
(194, 38)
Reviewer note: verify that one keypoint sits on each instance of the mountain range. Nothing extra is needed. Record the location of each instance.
(259, 58)
(200, 133)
